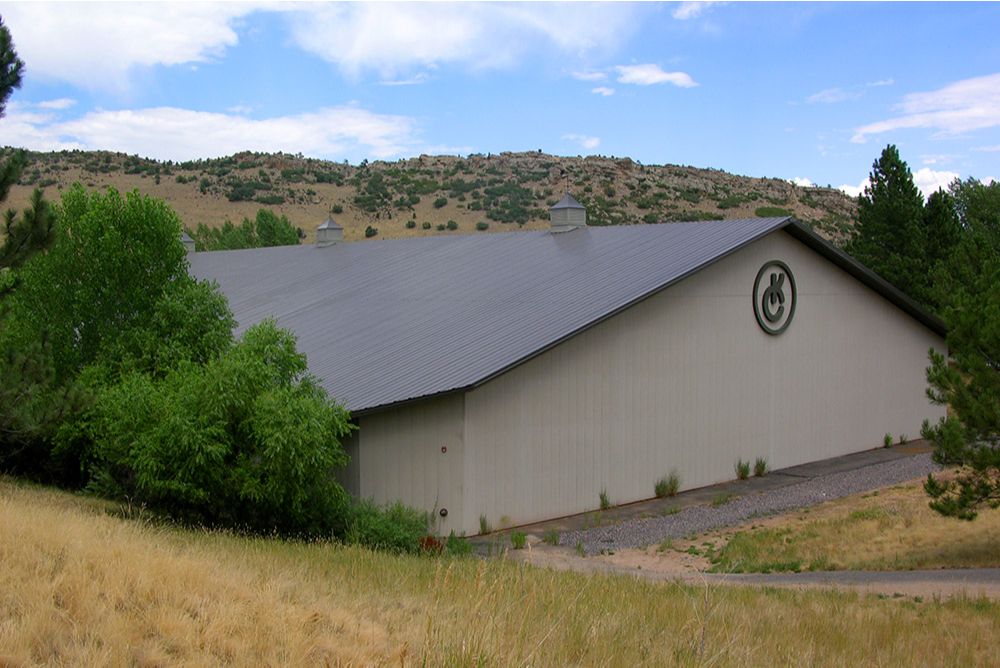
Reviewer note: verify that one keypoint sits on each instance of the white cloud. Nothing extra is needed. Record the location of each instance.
(854, 191)
(417, 79)
(987, 149)
(584, 141)
(649, 74)
(963, 106)
(929, 181)
(832, 95)
(691, 10)
(183, 134)
(396, 38)
(590, 75)
(603, 90)
(937, 159)
(59, 104)
(96, 46)
(803, 182)
(880, 82)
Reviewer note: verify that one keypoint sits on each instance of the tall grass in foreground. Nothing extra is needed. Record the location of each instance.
(81, 587)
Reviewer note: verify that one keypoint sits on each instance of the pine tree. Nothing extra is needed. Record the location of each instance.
(32, 405)
(35, 229)
(889, 236)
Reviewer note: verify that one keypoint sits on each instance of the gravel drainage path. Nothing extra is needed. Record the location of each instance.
(739, 509)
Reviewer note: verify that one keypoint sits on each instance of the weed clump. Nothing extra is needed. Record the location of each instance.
(518, 539)
(668, 485)
(760, 467)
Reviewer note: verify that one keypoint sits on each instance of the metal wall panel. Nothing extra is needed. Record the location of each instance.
(686, 379)
(400, 457)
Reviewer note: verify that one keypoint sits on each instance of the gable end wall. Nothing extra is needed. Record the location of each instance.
(686, 380)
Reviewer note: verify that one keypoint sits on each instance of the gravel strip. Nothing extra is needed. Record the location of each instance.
(699, 519)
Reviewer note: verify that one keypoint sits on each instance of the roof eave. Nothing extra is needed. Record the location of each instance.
(803, 233)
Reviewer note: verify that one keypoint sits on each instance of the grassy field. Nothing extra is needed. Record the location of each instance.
(891, 529)
(81, 586)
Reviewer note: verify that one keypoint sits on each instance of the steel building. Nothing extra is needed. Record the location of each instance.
(515, 376)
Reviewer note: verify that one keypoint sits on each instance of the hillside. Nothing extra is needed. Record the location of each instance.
(479, 192)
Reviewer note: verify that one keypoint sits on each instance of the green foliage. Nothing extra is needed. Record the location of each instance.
(551, 537)
(507, 202)
(668, 485)
(896, 235)
(372, 193)
(11, 68)
(33, 231)
(248, 440)
(484, 525)
(771, 212)
(392, 528)
(113, 260)
(124, 303)
(732, 201)
(760, 467)
(33, 406)
(410, 224)
(605, 501)
(266, 229)
(518, 539)
(425, 225)
(968, 381)
(452, 225)
(456, 545)
(721, 499)
(482, 226)
(887, 441)
(440, 202)
(742, 469)
(370, 232)
(270, 200)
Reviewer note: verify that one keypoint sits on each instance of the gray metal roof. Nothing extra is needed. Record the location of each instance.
(389, 321)
(329, 224)
(567, 202)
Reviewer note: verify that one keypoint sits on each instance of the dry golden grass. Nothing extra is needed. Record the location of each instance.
(81, 587)
(891, 529)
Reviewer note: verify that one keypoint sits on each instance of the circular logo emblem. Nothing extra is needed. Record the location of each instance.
(774, 297)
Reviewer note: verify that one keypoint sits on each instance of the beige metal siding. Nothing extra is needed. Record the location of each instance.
(400, 457)
(687, 380)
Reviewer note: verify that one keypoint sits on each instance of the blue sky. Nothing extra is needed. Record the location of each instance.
(796, 91)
